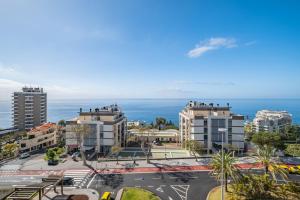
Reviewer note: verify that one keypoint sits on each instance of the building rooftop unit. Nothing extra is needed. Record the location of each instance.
(113, 109)
(194, 105)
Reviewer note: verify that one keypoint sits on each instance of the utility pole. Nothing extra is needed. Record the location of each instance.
(222, 132)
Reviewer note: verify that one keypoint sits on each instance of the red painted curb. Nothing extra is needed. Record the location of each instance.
(133, 170)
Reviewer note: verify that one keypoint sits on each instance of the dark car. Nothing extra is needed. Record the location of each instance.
(67, 181)
(52, 162)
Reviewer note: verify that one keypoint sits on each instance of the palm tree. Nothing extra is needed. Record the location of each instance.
(229, 168)
(264, 156)
(81, 130)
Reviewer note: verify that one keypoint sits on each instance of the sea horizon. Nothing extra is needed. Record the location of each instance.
(146, 109)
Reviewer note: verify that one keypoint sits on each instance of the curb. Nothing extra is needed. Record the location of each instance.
(119, 194)
(210, 192)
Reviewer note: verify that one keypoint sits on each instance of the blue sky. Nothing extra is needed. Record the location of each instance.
(151, 49)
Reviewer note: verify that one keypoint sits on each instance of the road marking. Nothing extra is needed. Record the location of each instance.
(170, 198)
(137, 186)
(156, 178)
(159, 189)
(91, 181)
(181, 190)
(150, 186)
(18, 185)
(139, 179)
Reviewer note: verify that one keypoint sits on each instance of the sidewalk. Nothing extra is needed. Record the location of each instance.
(92, 194)
(140, 168)
(40, 164)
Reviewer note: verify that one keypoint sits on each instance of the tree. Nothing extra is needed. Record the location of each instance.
(51, 155)
(81, 130)
(145, 142)
(160, 122)
(264, 156)
(292, 149)
(266, 138)
(116, 149)
(10, 148)
(229, 168)
(61, 123)
(292, 133)
(195, 147)
(253, 186)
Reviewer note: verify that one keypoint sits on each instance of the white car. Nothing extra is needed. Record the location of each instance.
(24, 155)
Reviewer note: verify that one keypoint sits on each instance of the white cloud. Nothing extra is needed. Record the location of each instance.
(212, 44)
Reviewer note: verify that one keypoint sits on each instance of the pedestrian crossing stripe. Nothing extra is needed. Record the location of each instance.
(181, 190)
(80, 177)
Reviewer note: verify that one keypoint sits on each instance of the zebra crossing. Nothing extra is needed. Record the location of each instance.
(80, 177)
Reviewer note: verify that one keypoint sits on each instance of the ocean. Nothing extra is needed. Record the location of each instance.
(148, 109)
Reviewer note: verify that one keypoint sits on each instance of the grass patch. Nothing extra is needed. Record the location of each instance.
(215, 194)
(137, 194)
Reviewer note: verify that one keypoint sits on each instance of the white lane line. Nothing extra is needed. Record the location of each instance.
(139, 179)
(150, 186)
(156, 178)
(89, 184)
(137, 186)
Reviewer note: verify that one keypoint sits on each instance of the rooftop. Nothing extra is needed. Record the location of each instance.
(110, 110)
(195, 105)
(43, 127)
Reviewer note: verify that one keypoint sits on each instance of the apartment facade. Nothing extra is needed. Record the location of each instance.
(40, 137)
(107, 128)
(29, 108)
(201, 122)
(271, 121)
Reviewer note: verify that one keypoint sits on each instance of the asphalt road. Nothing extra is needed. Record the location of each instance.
(17, 163)
(19, 180)
(169, 186)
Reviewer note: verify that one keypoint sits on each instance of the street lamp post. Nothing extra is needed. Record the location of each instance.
(222, 131)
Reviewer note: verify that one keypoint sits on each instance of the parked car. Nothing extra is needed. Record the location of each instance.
(106, 196)
(67, 181)
(52, 162)
(24, 155)
(281, 166)
(294, 170)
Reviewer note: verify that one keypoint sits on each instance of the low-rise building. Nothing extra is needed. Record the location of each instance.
(272, 121)
(202, 122)
(169, 135)
(38, 138)
(107, 128)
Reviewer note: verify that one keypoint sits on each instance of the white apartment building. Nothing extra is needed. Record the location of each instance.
(107, 128)
(201, 122)
(271, 121)
(40, 137)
